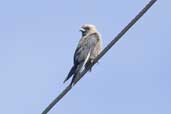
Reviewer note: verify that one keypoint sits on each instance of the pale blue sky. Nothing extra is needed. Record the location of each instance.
(37, 42)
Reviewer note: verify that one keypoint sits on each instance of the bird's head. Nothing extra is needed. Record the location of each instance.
(87, 29)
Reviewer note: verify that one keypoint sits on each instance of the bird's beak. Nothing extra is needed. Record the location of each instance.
(82, 30)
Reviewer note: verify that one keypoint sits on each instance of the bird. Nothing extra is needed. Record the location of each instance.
(88, 48)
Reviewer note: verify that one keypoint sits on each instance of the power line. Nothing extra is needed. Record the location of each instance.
(68, 88)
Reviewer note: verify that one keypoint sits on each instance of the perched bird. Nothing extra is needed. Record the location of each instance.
(89, 46)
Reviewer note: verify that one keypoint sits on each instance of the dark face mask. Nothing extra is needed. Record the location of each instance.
(83, 33)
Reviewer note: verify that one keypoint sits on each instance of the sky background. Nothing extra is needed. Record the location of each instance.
(37, 42)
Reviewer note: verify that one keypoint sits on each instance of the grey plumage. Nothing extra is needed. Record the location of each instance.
(89, 46)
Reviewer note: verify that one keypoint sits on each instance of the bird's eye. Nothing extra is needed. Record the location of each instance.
(87, 28)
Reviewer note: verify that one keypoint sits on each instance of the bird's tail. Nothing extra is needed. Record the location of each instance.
(77, 73)
(72, 71)
(74, 78)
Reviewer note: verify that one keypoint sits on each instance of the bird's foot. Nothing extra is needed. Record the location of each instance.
(88, 64)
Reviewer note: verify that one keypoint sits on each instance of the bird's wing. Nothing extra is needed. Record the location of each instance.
(80, 58)
(82, 54)
(71, 72)
(93, 39)
(84, 48)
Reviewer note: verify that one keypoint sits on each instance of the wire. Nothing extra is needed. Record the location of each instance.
(68, 88)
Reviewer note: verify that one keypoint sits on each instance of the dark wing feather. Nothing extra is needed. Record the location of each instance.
(80, 56)
(83, 52)
(71, 72)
